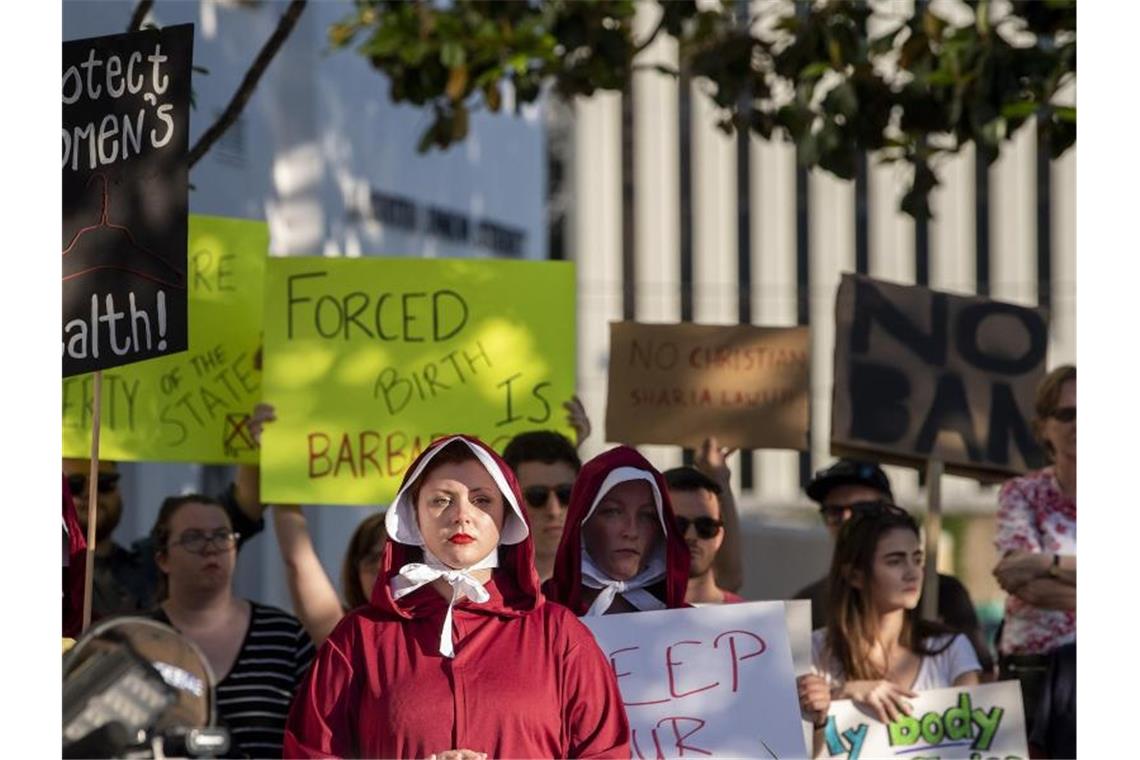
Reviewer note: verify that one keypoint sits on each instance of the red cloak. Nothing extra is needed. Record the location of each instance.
(565, 586)
(75, 571)
(527, 678)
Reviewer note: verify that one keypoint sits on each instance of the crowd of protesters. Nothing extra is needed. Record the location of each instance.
(457, 634)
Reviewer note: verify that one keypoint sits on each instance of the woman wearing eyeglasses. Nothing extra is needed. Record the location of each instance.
(258, 654)
(875, 649)
(1037, 538)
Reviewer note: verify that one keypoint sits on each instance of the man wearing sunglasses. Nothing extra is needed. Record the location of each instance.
(125, 578)
(546, 465)
(696, 509)
(849, 487)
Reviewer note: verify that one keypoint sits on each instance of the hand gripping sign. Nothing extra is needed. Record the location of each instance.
(713, 681)
(984, 722)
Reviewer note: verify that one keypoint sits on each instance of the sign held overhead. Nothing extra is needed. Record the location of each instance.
(126, 104)
(921, 374)
(678, 384)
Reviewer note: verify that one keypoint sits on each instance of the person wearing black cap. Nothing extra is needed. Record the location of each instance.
(849, 486)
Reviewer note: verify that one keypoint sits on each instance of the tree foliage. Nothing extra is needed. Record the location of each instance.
(810, 73)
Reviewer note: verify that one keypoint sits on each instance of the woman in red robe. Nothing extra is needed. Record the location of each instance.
(620, 549)
(458, 654)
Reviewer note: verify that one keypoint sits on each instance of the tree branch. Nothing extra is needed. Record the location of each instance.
(249, 83)
(139, 15)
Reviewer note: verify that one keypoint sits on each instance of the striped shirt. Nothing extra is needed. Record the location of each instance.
(253, 699)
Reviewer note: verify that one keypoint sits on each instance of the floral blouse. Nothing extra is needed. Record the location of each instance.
(1035, 516)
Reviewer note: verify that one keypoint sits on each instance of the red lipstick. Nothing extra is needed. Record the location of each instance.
(461, 538)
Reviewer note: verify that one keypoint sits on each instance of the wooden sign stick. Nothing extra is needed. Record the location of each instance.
(933, 533)
(92, 498)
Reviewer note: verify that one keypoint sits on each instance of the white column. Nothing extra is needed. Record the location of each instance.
(890, 232)
(831, 240)
(715, 271)
(657, 207)
(1063, 328)
(1013, 219)
(596, 220)
(773, 220)
(953, 244)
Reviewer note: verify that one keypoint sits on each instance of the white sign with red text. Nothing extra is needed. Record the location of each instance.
(713, 681)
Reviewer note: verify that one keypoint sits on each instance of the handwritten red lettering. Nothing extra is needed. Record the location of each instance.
(736, 660)
(670, 664)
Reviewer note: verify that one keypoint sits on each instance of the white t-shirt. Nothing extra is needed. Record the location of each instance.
(936, 671)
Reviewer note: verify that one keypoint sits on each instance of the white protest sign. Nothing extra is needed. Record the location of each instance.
(705, 682)
(983, 722)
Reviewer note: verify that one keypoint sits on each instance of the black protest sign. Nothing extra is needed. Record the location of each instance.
(126, 131)
(921, 374)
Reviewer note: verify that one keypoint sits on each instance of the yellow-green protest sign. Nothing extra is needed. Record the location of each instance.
(192, 406)
(369, 359)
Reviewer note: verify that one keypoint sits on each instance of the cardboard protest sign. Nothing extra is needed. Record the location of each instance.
(678, 384)
(193, 406)
(921, 374)
(126, 106)
(368, 360)
(968, 722)
(715, 680)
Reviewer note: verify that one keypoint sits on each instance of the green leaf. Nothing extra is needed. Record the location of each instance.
(814, 70)
(452, 54)
(1019, 110)
(1066, 113)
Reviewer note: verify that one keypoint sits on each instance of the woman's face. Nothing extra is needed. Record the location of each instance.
(896, 572)
(1062, 436)
(201, 553)
(623, 530)
(460, 513)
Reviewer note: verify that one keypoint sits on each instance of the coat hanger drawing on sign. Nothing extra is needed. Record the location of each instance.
(104, 223)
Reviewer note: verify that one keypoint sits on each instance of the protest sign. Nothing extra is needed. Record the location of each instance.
(126, 105)
(968, 722)
(715, 680)
(368, 360)
(678, 384)
(193, 406)
(923, 375)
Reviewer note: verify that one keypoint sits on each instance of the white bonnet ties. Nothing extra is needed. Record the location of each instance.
(400, 520)
(633, 589)
(416, 574)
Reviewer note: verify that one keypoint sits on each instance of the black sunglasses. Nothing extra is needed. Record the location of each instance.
(1064, 414)
(106, 483)
(706, 527)
(537, 496)
(835, 514)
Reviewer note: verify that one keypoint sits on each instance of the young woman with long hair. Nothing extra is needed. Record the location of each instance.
(875, 649)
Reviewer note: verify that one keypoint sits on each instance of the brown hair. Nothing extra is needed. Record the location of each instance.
(852, 623)
(160, 533)
(453, 453)
(369, 537)
(1048, 396)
